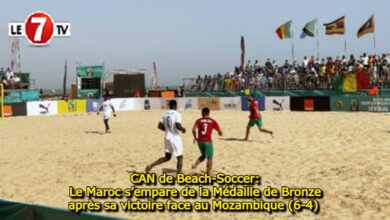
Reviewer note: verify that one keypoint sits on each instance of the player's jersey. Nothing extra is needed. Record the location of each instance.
(253, 108)
(107, 108)
(169, 121)
(205, 128)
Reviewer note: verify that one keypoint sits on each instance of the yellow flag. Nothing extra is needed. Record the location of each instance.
(349, 83)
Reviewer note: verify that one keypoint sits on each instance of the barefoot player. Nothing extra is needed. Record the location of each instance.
(108, 109)
(171, 124)
(255, 118)
(205, 126)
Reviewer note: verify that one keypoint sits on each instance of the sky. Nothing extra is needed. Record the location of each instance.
(184, 37)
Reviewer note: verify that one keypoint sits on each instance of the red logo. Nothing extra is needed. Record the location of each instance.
(39, 28)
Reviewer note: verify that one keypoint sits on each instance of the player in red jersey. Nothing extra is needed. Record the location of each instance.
(255, 118)
(205, 126)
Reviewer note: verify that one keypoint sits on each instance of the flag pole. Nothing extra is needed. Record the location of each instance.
(318, 42)
(292, 50)
(373, 15)
(292, 45)
(345, 38)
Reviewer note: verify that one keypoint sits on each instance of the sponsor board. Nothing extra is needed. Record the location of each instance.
(19, 109)
(188, 103)
(211, 102)
(259, 99)
(360, 103)
(165, 102)
(122, 104)
(42, 108)
(7, 110)
(72, 106)
(151, 103)
(310, 103)
(93, 105)
(230, 103)
(277, 103)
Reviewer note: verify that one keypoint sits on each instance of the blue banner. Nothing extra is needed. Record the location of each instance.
(93, 105)
(259, 99)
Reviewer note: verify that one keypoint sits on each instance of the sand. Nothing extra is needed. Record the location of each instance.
(347, 155)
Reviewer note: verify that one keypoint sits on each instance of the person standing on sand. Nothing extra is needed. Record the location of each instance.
(108, 109)
(255, 118)
(170, 123)
(205, 127)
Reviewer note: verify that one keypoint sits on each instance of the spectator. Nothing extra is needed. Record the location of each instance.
(9, 74)
(305, 62)
(312, 74)
(248, 66)
(365, 61)
(2, 73)
(256, 67)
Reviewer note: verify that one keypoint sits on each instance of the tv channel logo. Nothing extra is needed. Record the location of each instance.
(39, 28)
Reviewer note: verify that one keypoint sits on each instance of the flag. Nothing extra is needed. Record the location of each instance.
(349, 83)
(373, 91)
(309, 29)
(242, 52)
(335, 27)
(367, 27)
(363, 80)
(154, 76)
(337, 83)
(284, 30)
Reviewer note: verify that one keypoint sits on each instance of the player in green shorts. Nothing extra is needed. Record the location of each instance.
(205, 126)
(255, 118)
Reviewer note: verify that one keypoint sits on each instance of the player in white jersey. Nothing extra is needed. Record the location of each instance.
(170, 123)
(108, 109)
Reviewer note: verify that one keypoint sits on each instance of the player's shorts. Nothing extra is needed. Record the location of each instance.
(257, 122)
(174, 145)
(206, 149)
(106, 116)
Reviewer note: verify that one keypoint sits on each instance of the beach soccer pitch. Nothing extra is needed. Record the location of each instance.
(320, 165)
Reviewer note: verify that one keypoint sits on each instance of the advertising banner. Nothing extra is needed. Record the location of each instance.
(360, 103)
(42, 108)
(245, 105)
(72, 106)
(125, 104)
(211, 102)
(165, 102)
(310, 103)
(139, 104)
(19, 109)
(230, 103)
(7, 110)
(277, 103)
(150, 103)
(93, 105)
(188, 103)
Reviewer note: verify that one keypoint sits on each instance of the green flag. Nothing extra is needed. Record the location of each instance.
(309, 29)
(337, 83)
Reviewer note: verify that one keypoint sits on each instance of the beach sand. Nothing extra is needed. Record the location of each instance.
(347, 155)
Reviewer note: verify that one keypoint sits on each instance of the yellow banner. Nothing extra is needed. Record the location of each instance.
(349, 83)
(72, 106)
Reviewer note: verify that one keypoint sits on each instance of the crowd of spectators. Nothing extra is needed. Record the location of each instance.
(311, 73)
(9, 79)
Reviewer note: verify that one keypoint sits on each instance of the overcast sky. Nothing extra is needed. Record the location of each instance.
(184, 37)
